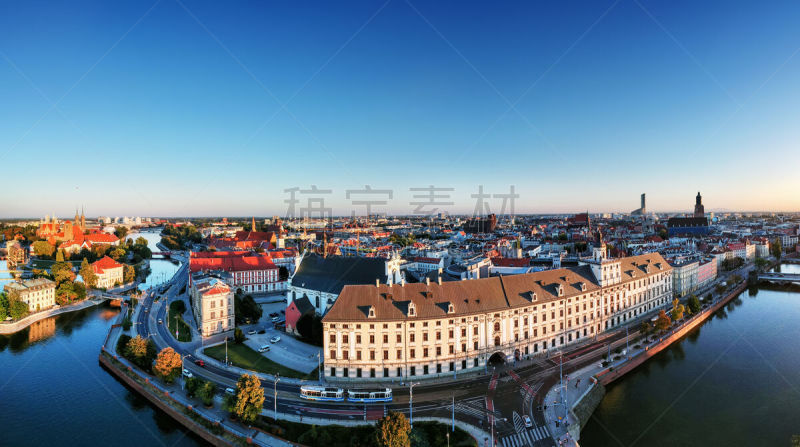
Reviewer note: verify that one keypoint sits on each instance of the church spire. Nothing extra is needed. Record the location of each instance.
(253, 227)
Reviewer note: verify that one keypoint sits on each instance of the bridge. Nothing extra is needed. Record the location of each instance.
(166, 254)
(780, 278)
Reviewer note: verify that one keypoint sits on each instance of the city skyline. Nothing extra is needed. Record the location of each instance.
(189, 109)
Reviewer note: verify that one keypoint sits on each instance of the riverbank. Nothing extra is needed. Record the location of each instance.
(583, 390)
(10, 328)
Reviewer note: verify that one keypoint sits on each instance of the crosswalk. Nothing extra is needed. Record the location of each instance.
(524, 438)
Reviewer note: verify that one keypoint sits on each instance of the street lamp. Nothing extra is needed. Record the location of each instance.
(275, 399)
(410, 403)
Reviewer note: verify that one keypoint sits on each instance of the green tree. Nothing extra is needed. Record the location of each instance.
(776, 248)
(694, 304)
(60, 256)
(121, 232)
(43, 249)
(192, 385)
(3, 306)
(249, 398)
(677, 310)
(18, 309)
(393, 431)
(238, 336)
(663, 321)
(761, 264)
(206, 393)
(168, 364)
(62, 272)
(117, 253)
(720, 289)
(128, 274)
(87, 273)
(65, 294)
(645, 328)
(141, 241)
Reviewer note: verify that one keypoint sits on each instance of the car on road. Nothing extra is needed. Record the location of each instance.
(275, 339)
(527, 420)
(264, 348)
(160, 321)
(251, 332)
(275, 319)
(199, 362)
(230, 391)
(187, 373)
(273, 314)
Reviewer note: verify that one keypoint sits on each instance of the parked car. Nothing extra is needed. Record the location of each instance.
(275, 319)
(187, 373)
(160, 321)
(251, 332)
(275, 339)
(527, 419)
(230, 391)
(264, 348)
(199, 362)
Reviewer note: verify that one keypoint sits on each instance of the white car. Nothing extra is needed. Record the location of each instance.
(275, 339)
(275, 319)
(527, 419)
(230, 391)
(251, 332)
(264, 348)
(187, 373)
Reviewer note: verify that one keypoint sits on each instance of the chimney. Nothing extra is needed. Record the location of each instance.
(428, 281)
(377, 282)
(402, 282)
(440, 280)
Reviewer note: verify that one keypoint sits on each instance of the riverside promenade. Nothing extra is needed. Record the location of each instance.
(568, 405)
(10, 328)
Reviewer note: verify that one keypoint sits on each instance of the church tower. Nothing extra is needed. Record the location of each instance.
(83, 221)
(699, 209)
(253, 227)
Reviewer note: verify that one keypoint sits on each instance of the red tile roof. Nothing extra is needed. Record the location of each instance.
(103, 264)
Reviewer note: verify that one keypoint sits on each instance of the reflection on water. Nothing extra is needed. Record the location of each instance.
(161, 269)
(732, 382)
(54, 392)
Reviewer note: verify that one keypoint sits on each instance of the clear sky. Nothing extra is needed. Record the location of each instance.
(178, 108)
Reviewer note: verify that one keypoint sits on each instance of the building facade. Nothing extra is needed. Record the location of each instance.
(250, 272)
(38, 294)
(109, 273)
(212, 305)
(684, 277)
(401, 331)
(706, 272)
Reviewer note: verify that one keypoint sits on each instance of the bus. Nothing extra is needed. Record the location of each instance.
(370, 395)
(322, 393)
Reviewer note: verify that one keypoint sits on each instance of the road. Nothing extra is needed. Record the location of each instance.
(495, 403)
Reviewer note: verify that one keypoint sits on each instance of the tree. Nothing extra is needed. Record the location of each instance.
(761, 264)
(168, 364)
(192, 385)
(662, 322)
(65, 294)
(393, 431)
(128, 274)
(249, 398)
(677, 310)
(206, 393)
(43, 249)
(776, 248)
(136, 347)
(238, 336)
(18, 309)
(87, 273)
(118, 253)
(60, 256)
(694, 304)
(121, 232)
(62, 272)
(720, 288)
(141, 241)
(645, 328)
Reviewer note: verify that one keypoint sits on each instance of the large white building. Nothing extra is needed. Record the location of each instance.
(109, 273)
(212, 305)
(684, 276)
(424, 329)
(38, 294)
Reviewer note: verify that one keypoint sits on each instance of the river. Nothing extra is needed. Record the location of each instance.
(733, 381)
(54, 392)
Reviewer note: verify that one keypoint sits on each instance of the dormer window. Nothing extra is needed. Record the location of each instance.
(412, 311)
(450, 308)
(371, 312)
(582, 286)
(560, 289)
(533, 296)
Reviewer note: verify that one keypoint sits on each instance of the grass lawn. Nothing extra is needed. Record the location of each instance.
(244, 357)
(184, 331)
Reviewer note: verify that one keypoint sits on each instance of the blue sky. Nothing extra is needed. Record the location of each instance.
(213, 108)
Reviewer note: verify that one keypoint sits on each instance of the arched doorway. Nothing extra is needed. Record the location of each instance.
(498, 358)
